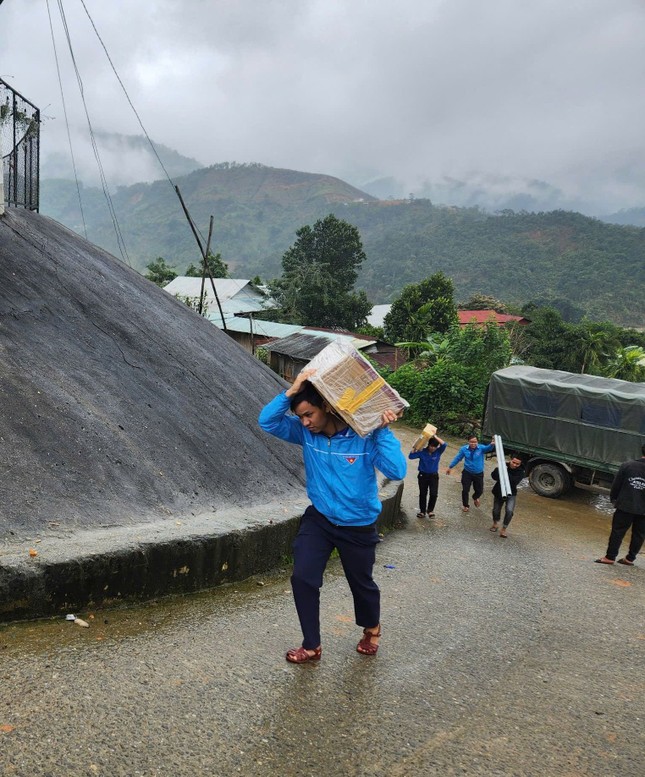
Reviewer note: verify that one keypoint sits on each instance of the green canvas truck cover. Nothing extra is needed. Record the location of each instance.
(582, 420)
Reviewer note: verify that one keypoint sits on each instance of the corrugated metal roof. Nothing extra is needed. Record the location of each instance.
(236, 295)
(233, 306)
(299, 345)
(226, 287)
(379, 312)
(307, 343)
(260, 328)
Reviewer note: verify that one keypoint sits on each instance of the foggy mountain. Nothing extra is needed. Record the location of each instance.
(126, 160)
(631, 216)
(129, 160)
(515, 256)
(498, 193)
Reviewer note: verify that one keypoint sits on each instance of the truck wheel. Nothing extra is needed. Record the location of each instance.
(549, 480)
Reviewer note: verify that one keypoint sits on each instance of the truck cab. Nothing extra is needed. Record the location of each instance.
(571, 430)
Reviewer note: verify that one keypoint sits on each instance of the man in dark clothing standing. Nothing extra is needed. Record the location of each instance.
(628, 497)
(516, 473)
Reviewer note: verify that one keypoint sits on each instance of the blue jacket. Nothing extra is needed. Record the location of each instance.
(473, 460)
(341, 481)
(429, 462)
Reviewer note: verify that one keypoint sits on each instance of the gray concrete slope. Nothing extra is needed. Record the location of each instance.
(119, 405)
(132, 462)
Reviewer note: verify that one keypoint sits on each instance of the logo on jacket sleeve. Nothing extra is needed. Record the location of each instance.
(350, 459)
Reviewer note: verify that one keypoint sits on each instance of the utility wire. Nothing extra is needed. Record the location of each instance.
(108, 198)
(69, 137)
(125, 92)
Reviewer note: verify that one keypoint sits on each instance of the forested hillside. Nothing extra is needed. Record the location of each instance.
(516, 257)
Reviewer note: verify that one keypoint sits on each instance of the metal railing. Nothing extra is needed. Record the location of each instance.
(20, 145)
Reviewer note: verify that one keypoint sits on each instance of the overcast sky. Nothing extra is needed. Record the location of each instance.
(552, 90)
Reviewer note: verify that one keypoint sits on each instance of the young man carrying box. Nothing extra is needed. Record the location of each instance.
(342, 486)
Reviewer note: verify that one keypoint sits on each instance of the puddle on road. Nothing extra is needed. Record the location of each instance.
(140, 620)
(601, 503)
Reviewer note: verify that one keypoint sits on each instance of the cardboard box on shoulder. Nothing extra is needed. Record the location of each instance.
(428, 431)
(354, 389)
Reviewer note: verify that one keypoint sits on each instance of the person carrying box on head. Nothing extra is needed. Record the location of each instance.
(428, 477)
(342, 486)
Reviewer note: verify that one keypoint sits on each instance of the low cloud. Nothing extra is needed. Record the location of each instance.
(423, 91)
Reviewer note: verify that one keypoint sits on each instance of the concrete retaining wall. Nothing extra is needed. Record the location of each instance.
(109, 568)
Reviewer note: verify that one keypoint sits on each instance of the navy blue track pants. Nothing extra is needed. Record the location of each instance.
(312, 547)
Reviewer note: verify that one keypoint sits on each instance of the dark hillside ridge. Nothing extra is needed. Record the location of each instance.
(257, 211)
(515, 257)
(119, 404)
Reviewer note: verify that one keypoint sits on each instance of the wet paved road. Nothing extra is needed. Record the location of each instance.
(499, 657)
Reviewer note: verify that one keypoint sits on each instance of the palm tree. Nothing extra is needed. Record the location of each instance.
(592, 349)
(628, 364)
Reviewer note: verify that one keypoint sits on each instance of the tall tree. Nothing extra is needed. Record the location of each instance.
(319, 273)
(550, 343)
(421, 309)
(595, 343)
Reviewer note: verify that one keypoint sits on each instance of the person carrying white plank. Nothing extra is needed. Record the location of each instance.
(516, 473)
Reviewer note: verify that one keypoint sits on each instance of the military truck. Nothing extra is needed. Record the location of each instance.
(571, 430)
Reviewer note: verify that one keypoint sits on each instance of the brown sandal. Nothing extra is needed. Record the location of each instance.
(366, 646)
(300, 655)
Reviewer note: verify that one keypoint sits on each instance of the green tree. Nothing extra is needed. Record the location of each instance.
(627, 364)
(447, 384)
(372, 331)
(595, 342)
(570, 313)
(319, 272)
(193, 304)
(218, 268)
(483, 349)
(550, 342)
(159, 272)
(422, 308)
(434, 348)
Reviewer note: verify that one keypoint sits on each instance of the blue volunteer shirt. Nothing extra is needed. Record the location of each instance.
(473, 459)
(428, 462)
(340, 470)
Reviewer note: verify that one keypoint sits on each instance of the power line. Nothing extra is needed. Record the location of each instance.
(125, 92)
(69, 137)
(108, 198)
(113, 216)
(134, 110)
